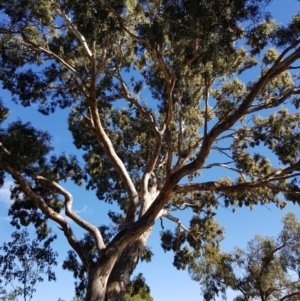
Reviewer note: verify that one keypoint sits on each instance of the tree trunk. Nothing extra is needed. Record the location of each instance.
(123, 269)
(109, 283)
(96, 287)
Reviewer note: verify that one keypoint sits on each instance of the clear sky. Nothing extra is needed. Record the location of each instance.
(166, 283)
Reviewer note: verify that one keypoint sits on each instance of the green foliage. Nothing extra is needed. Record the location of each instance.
(22, 141)
(138, 290)
(203, 238)
(4, 112)
(267, 270)
(22, 265)
(156, 95)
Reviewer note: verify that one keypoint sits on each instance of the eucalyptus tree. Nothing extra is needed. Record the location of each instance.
(155, 97)
(267, 270)
(22, 265)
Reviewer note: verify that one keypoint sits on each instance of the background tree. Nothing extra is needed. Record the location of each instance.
(267, 270)
(148, 134)
(23, 264)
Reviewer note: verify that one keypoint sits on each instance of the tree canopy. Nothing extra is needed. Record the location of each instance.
(158, 92)
(267, 270)
(23, 264)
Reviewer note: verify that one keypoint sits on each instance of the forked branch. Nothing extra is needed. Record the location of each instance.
(156, 151)
(114, 159)
(93, 230)
(176, 220)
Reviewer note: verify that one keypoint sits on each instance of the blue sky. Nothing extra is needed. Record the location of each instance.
(166, 283)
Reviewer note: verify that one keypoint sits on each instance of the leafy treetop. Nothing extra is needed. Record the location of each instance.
(155, 97)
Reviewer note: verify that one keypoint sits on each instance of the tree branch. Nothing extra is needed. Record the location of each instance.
(114, 158)
(4, 149)
(156, 152)
(273, 104)
(224, 125)
(167, 123)
(101, 62)
(288, 49)
(93, 230)
(50, 213)
(206, 97)
(241, 173)
(170, 83)
(294, 67)
(176, 220)
(282, 172)
(126, 94)
(182, 127)
(289, 295)
(70, 25)
(195, 53)
(58, 58)
(184, 205)
(152, 48)
(263, 182)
